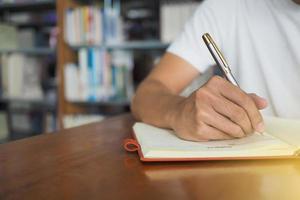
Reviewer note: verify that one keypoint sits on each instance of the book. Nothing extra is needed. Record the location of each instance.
(84, 26)
(281, 140)
(26, 38)
(21, 77)
(72, 83)
(4, 132)
(8, 36)
(99, 76)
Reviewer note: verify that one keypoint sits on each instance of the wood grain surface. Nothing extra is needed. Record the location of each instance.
(89, 162)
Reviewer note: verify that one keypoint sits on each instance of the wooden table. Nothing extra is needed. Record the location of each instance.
(89, 163)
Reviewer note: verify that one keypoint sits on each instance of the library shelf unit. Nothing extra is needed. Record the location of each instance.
(44, 106)
(67, 53)
(35, 104)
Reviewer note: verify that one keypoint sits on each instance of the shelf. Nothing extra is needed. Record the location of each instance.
(102, 103)
(33, 24)
(34, 104)
(32, 51)
(33, 5)
(134, 45)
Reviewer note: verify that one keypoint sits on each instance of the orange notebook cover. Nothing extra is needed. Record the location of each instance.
(262, 147)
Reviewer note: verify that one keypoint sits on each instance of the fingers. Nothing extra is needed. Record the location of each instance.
(218, 111)
(237, 96)
(234, 129)
(210, 133)
(260, 102)
(236, 114)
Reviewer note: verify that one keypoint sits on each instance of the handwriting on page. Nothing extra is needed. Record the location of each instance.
(249, 140)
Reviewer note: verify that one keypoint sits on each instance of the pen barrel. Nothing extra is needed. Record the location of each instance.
(219, 59)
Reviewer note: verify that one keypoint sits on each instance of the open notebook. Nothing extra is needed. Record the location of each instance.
(281, 140)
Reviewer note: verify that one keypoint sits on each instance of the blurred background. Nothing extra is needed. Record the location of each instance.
(66, 63)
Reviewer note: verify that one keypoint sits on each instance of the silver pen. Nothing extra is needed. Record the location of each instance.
(219, 58)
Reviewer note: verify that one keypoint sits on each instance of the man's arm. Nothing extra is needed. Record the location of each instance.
(218, 110)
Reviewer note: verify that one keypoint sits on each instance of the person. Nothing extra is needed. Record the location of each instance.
(260, 40)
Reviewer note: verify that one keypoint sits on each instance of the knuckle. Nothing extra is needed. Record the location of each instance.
(202, 92)
(238, 114)
(247, 101)
(201, 114)
(203, 98)
(205, 94)
(216, 80)
(216, 83)
(241, 116)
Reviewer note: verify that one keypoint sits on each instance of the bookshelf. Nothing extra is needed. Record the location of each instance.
(36, 104)
(31, 14)
(145, 48)
(68, 53)
(137, 15)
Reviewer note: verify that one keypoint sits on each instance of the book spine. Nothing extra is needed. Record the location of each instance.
(86, 25)
(96, 73)
(91, 70)
(83, 74)
(71, 82)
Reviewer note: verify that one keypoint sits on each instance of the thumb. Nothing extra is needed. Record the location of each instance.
(260, 102)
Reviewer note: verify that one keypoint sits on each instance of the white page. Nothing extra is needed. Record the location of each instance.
(161, 140)
(287, 130)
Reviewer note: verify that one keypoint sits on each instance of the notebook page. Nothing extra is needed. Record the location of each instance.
(155, 139)
(287, 130)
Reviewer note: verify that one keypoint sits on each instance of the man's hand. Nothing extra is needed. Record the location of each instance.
(218, 111)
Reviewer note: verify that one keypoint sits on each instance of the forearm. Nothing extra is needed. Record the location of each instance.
(155, 104)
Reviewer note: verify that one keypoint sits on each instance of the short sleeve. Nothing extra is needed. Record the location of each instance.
(189, 45)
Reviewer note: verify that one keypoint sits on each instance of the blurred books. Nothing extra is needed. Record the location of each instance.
(21, 77)
(89, 25)
(3, 126)
(13, 38)
(99, 76)
(8, 36)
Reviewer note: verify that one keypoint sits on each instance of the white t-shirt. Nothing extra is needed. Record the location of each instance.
(260, 39)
